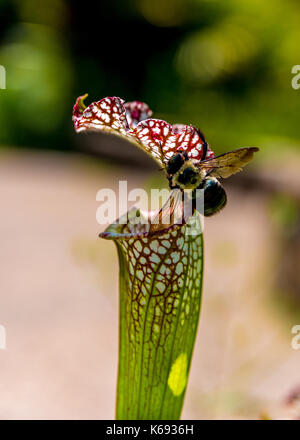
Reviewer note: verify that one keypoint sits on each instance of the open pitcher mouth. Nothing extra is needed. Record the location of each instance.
(137, 223)
(127, 226)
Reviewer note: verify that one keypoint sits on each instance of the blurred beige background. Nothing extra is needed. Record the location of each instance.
(59, 298)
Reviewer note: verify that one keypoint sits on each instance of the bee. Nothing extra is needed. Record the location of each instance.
(184, 173)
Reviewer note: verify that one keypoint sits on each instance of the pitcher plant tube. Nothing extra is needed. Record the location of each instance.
(160, 255)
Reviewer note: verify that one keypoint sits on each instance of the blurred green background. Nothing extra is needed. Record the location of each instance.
(224, 66)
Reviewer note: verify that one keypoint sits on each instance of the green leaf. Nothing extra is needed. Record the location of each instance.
(160, 296)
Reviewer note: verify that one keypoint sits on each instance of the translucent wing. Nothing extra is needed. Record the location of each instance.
(228, 163)
(170, 214)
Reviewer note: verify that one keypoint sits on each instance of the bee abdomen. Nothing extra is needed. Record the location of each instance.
(214, 196)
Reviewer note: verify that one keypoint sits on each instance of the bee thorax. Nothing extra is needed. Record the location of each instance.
(188, 176)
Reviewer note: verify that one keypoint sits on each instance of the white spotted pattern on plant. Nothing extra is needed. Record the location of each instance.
(161, 265)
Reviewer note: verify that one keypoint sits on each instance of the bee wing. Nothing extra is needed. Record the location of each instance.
(228, 163)
(171, 213)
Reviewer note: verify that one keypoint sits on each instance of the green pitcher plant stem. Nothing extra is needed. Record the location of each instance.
(160, 294)
(161, 263)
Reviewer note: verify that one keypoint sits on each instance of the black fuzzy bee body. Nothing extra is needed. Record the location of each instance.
(186, 173)
(183, 174)
(215, 197)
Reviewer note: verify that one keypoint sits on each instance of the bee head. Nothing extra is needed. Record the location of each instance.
(175, 162)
